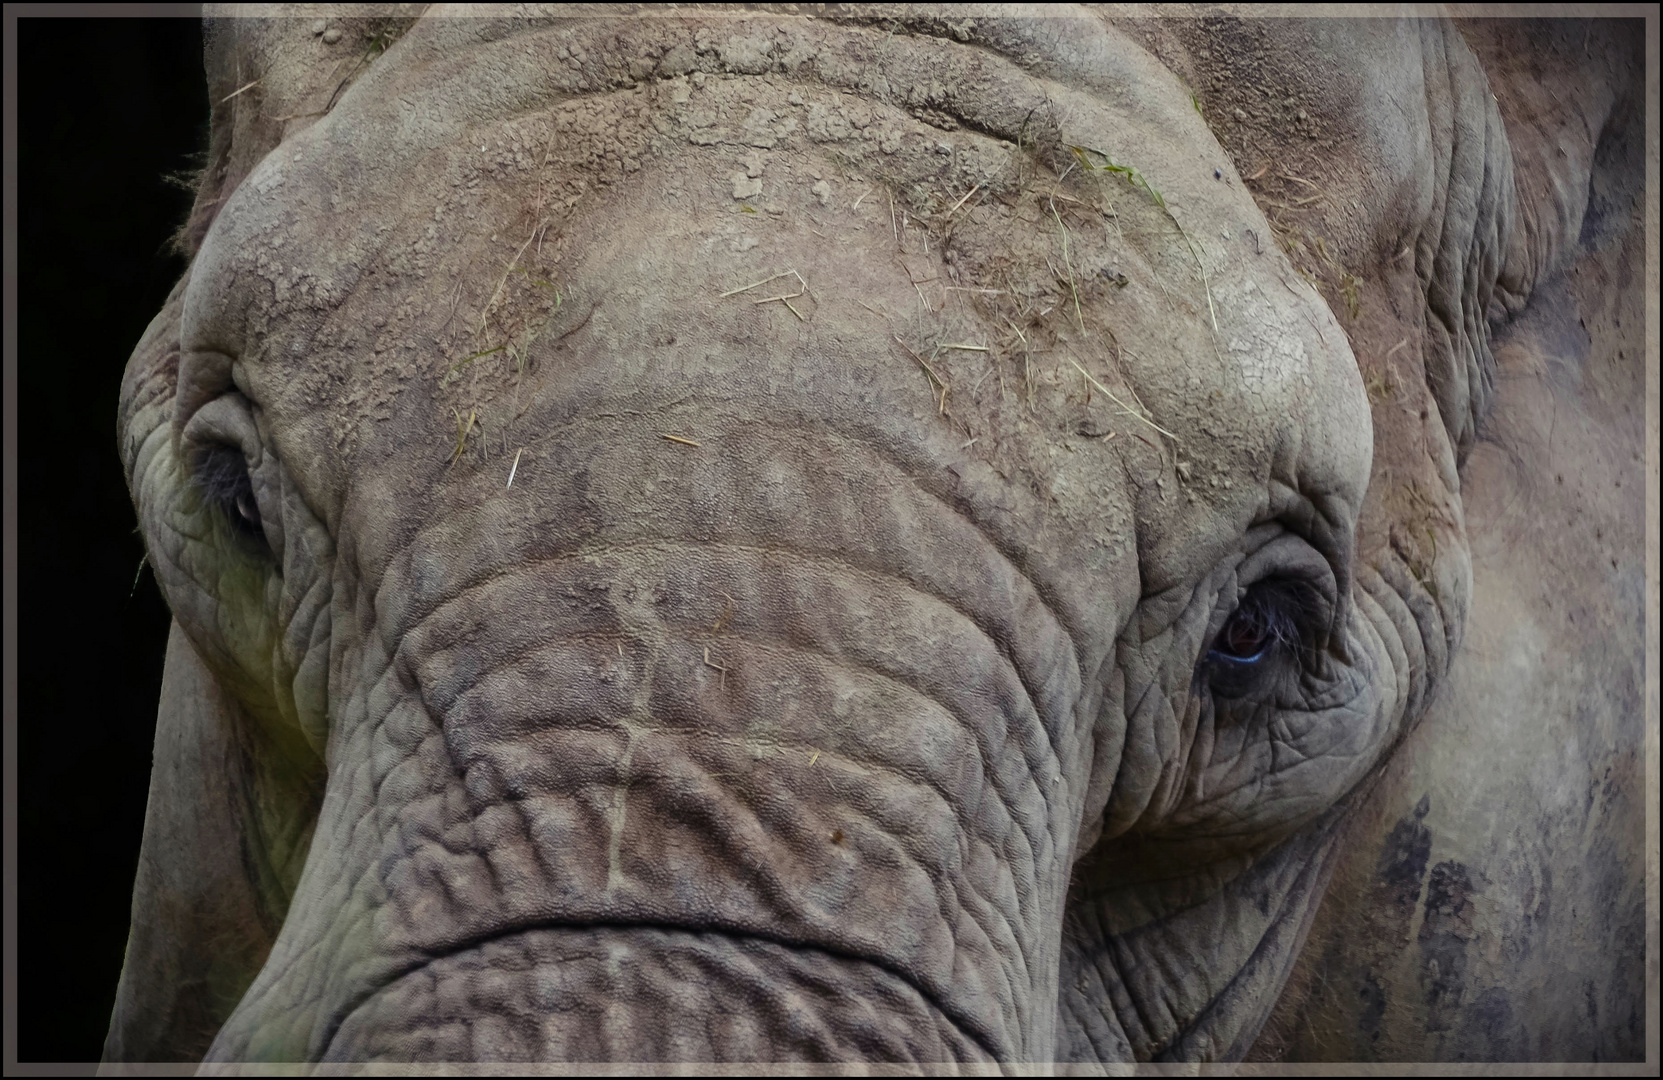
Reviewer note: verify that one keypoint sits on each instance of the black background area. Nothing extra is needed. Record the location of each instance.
(107, 110)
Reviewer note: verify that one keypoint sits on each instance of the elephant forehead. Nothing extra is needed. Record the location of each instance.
(1262, 415)
(431, 262)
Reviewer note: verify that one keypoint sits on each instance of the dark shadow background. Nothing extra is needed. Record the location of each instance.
(107, 109)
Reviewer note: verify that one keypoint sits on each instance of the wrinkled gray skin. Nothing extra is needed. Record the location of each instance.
(843, 673)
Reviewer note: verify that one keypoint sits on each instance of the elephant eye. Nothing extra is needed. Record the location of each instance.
(1263, 620)
(222, 475)
(1265, 624)
(1243, 639)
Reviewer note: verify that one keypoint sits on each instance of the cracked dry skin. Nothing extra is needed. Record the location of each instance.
(764, 538)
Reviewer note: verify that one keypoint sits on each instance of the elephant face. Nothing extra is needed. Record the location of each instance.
(765, 538)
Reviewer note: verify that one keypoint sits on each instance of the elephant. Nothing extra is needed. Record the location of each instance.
(908, 534)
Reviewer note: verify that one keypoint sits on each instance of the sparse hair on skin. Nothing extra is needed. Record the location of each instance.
(187, 237)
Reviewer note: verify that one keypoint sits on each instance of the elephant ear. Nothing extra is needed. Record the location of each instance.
(272, 75)
(1430, 177)
(1536, 134)
(200, 931)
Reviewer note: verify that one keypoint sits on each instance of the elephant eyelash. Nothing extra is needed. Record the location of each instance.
(1272, 620)
(221, 474)
(1270, 613)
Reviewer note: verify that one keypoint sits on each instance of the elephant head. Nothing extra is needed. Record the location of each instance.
(753, 537)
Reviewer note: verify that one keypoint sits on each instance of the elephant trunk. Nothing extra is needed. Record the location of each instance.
(650, 994)
(762, 773)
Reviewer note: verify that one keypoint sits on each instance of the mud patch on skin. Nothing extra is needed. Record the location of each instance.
(1489, 1023)
(1403, 864)
(1397, 889)
(1444, 935)
(1360, 986)
(1373, 997)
